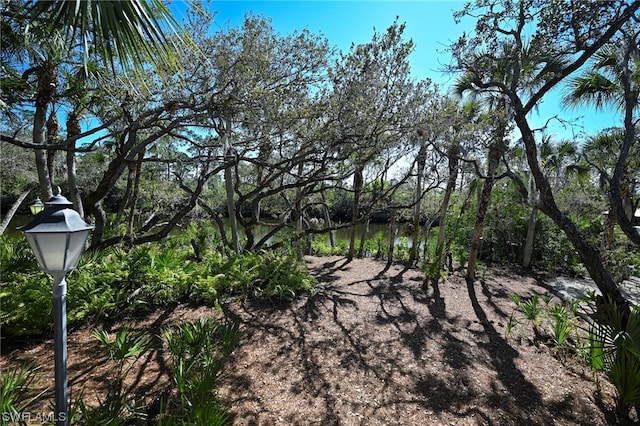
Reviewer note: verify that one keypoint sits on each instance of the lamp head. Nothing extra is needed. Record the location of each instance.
(57, 235)
(37, 206)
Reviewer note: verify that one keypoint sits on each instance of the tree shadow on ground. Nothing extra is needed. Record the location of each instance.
(368, 344)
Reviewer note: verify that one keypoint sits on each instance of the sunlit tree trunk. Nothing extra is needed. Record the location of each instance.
(327, 216)
(609, 228)
(53, 129)
(393, 228)
(363, 235)
(453, 156)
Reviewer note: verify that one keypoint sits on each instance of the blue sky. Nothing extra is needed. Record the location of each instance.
(429, 23)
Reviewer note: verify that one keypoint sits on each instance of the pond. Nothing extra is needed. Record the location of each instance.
(340, 234)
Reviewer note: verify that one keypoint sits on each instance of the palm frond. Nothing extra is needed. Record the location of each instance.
(131, 32)
(592, 88)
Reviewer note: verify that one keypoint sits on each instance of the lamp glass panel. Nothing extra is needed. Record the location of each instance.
(36, 250)
(36, 208)
(50, 249)
(77, 241)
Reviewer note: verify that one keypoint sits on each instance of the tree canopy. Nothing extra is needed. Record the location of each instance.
(276, 131)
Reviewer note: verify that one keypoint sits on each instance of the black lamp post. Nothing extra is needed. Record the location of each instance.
(57, 236)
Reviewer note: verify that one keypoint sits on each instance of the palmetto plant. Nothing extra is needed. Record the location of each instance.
(529, 311)
(198, 352)
(120, 405)
(126, 348)
(16, 392)
(559, 320)
(614, 336)
(562, 324)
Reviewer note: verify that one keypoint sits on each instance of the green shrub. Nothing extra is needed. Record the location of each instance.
(402, 249)
(17, 391)
(320, 247)
(555, 324)
(614, 337)
(116, 281)
(198, 352)
(121, 405)
(26, 306)
(280, 277)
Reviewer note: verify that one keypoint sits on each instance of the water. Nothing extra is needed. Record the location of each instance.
(341, 234)
(16, 221)
(371, 232)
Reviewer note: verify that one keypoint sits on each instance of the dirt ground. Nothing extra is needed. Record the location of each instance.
(368, 347)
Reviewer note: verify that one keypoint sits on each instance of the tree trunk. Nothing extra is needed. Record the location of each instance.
(229, 158)
(53, 128)
(624, 211)
(94, 199)
(453, 154)
(47, 84)
(363, 236)
(609, 229)
(218, 220)
(426, 231)
(495, 154)
(357, 191)
(301, 248)
(392, 239)
(527, 257)
(327, 216)
(589, 254)
(73, 129)
(421, 161)
(12, 211)
(136, 195)
(126, 198)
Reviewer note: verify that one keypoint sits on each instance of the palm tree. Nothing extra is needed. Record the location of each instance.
(559, 160)
(612, 80)
(500, 76)
(601, 85)
(123, 33)
(497, 107)
(131, 31)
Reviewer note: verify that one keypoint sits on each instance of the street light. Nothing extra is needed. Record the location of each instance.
(36, 207)
(57, 236)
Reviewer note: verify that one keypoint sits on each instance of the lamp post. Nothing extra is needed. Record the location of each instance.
(37, 206)
(57, 236)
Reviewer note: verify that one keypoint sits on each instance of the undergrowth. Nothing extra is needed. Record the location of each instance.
(116, 281)
(601, 333)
